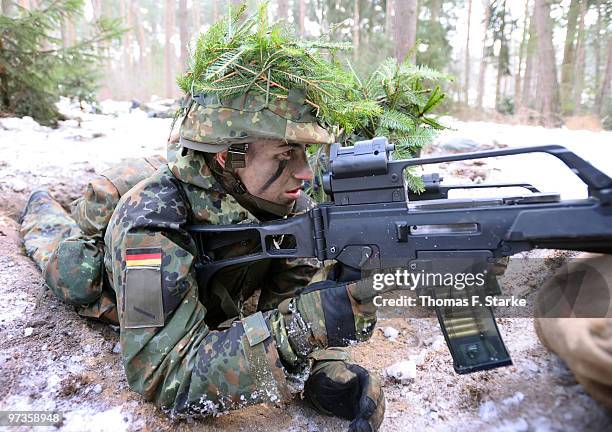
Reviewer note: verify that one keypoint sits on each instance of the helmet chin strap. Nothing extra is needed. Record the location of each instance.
(261, 208)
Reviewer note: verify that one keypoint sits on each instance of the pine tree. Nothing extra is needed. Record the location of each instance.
(35, 67)
(499, 29)
(433, 33)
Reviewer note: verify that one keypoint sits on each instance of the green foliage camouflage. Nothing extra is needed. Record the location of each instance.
(35, 69)
(241, 54)
(407, 95)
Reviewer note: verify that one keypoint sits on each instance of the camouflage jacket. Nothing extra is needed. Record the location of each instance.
(175, 352)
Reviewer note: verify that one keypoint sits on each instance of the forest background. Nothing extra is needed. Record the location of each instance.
(522, 61)
(530, 61)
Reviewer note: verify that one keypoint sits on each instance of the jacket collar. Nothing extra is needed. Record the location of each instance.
(192, 168)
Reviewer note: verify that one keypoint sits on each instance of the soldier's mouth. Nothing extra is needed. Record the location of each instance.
(294, 193)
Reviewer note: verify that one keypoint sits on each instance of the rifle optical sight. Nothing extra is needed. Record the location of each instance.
(350, 166)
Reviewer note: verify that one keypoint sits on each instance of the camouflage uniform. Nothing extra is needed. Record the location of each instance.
(183, 346)
(69, 249)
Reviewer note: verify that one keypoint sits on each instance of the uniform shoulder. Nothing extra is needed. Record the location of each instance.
(157, 202)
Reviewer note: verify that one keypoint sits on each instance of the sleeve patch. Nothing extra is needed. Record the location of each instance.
(143, 298)
(143, 288)
(143, 257)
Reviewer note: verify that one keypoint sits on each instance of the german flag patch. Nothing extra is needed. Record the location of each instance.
(143, 257)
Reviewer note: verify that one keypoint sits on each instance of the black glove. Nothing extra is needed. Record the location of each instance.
(342, 273)
(348, 391)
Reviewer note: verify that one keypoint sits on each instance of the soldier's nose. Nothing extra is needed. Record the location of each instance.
(304, 173)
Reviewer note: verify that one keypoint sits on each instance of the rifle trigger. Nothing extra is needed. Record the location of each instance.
(366, 253)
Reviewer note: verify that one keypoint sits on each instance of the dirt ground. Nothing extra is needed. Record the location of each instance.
(51, 359)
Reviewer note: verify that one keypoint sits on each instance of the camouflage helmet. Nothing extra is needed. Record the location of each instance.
(212, 124)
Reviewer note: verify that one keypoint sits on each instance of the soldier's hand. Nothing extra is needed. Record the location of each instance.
(349, 391)
(334, 315)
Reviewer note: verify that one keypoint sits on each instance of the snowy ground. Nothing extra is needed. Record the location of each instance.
(542, 170)
(52, 359)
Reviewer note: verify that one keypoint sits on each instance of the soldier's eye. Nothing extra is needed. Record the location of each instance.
(287, 154)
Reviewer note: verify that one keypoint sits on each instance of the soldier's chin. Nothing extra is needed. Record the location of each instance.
(285, 201)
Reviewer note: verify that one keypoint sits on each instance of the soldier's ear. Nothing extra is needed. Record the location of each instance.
(221, 157)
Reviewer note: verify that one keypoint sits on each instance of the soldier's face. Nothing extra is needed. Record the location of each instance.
(275, 171)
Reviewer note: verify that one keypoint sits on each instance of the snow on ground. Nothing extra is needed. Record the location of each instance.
(52, 359)
(543, 171)
(97, 139)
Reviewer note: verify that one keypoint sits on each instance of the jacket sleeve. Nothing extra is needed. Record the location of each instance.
(175, 360)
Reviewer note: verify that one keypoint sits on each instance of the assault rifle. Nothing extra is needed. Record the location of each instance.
(373, 222)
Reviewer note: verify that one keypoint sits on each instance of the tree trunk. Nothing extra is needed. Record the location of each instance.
(597, 48)
(125, 11)
(579, 72)
(356, 22)
(197, 16)
(104, 6)
(64, 32)
(527, 93)
(567, 66)
(483, 59)
(521, 56)
(183, 23)
(405, 28)
(97, 8)
(170, 56)
(140, 34)
(604, 90)
(7, 7)
(547, 95)
(69, 33)
(72, 33)
(434, 9)
(501, 58)
(302, 15)
(283, 9)
(215, 11)
(466, 89)
(324, 11)
(389, 20)
(5, 99)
